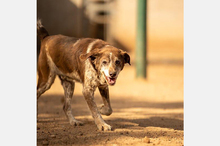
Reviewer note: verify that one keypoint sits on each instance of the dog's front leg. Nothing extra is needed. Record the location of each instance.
(105, 109)
(68, 87)
(88, 93)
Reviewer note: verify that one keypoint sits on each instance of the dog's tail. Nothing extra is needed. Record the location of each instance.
(41, 31)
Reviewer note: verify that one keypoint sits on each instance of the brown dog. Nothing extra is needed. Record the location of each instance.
(92, 62)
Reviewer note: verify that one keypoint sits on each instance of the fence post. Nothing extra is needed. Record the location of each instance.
(141, 40)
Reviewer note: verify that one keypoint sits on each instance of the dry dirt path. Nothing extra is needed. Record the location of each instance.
(144, 112)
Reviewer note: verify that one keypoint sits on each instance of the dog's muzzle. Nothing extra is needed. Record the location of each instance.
(110, 80)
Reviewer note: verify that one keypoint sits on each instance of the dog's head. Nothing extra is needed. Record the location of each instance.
(108, 62)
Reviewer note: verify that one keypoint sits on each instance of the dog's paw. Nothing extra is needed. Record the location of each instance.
(105, 110)
(104, 127)
(76, 123)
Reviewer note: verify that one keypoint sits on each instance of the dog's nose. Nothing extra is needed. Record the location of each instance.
(112, 74)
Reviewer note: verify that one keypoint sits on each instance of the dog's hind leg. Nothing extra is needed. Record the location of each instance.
(45, 77)
(105, 109)
(45, 83)
(68, 87)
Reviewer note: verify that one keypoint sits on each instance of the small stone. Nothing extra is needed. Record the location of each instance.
(45, 142)
(158, 142)
(53, 136)
(146, 139)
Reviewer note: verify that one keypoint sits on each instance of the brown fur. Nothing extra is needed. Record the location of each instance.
(92, 62)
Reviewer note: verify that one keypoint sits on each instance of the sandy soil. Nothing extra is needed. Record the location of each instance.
(144, 112)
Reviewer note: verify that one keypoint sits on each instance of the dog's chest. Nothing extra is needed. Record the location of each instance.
(90, 76)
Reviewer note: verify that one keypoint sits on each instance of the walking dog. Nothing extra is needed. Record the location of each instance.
(92, 62)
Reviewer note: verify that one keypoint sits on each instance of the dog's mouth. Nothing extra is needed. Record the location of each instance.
(111, 81)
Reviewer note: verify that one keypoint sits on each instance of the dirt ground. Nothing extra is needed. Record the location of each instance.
(144, 112)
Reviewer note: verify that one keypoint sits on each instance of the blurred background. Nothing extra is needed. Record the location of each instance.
(151, 107)
(115, 21)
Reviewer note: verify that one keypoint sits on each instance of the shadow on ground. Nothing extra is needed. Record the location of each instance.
(51, 106)
(52, 121)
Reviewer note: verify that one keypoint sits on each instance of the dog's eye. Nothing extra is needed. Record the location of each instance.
(104, 62)
(117, 62)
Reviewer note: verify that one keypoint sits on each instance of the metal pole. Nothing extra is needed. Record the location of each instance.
(141, 40)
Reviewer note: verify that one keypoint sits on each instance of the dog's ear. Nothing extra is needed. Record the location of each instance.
(92, 55)
(126, 57)
(83, 57)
